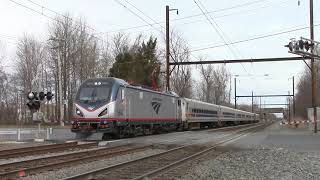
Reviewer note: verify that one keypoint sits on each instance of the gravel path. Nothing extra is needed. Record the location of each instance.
(66, 172)
(259, 163)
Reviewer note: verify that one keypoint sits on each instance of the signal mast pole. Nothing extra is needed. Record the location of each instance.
(301, 48)
(167, 49)
(313, 72)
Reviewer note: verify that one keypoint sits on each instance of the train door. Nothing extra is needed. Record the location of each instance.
(125, 99)
(220, 116)
(184, 110)
(179, 109)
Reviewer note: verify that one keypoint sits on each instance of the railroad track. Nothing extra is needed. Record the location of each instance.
(31, 167)
(231, 128)
(151, 166)
(27, 151)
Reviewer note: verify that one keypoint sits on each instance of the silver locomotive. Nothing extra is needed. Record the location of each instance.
(111, 107)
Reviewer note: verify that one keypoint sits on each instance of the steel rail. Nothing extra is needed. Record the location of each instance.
(10, 153)
(70, 158)
(91, 174)
(178, 163)
(231, 127)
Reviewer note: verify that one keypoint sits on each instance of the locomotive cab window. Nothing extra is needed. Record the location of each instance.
(92, 92)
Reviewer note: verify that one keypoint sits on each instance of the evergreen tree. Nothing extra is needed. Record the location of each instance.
(138, 63)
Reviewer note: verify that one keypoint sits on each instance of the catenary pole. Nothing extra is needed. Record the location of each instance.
(167, 50)
(313, 72)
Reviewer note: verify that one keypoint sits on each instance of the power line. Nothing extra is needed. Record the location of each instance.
(31, 9)
(216, 27)
(223, 34)
(251, 39)
(141, 18)
(230, 14)
(144, 14)
(197, 15)
(51, 18)
(59, 14)
(194, 50)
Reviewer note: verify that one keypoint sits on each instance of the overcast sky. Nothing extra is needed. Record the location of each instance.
(236, 20)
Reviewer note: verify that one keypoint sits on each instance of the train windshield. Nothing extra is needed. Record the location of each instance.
(93, 94)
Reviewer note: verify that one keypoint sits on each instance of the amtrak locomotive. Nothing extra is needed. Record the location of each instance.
(112, 107)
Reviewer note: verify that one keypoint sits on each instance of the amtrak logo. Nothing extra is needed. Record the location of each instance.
(156, 106)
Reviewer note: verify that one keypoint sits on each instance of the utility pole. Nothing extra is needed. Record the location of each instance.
(289, 108)
(313, 72)
(230, 90)
(168, 46)
(252, 101)
(293, 101)
(301, 47)
(235, 93)
(167, 49)
(260, 108)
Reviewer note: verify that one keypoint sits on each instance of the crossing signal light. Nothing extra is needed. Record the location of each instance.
(42, 95)
(307, 45)
(34, 99)
(31, 95)
(49, 96)
(290, 46)
(301, 45)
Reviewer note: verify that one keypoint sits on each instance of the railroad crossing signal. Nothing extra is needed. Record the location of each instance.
(304, 47)
(34, 99)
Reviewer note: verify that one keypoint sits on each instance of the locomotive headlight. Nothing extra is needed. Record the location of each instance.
(104, 112)
(78, 112)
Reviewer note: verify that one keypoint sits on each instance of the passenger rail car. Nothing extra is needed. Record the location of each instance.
(197, 114)
(112, 107)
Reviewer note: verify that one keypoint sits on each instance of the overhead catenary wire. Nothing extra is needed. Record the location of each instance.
(225, 36)
(192, 50)
(135, 7)
(49, 17)
(57, 13)
(31, 9)
(251, 39)
(216, 27)
(189, 17)
(124, 29)
(137, 15)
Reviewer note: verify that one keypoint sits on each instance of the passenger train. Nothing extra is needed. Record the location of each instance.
(112, 107)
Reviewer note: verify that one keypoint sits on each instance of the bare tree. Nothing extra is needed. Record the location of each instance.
(181, 80)
(120, 44)
(29, 64)
(303, 95)
(79, 53)
(213, 85)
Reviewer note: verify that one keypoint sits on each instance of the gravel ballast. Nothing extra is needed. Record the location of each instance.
(85, 167)
(259, 163)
